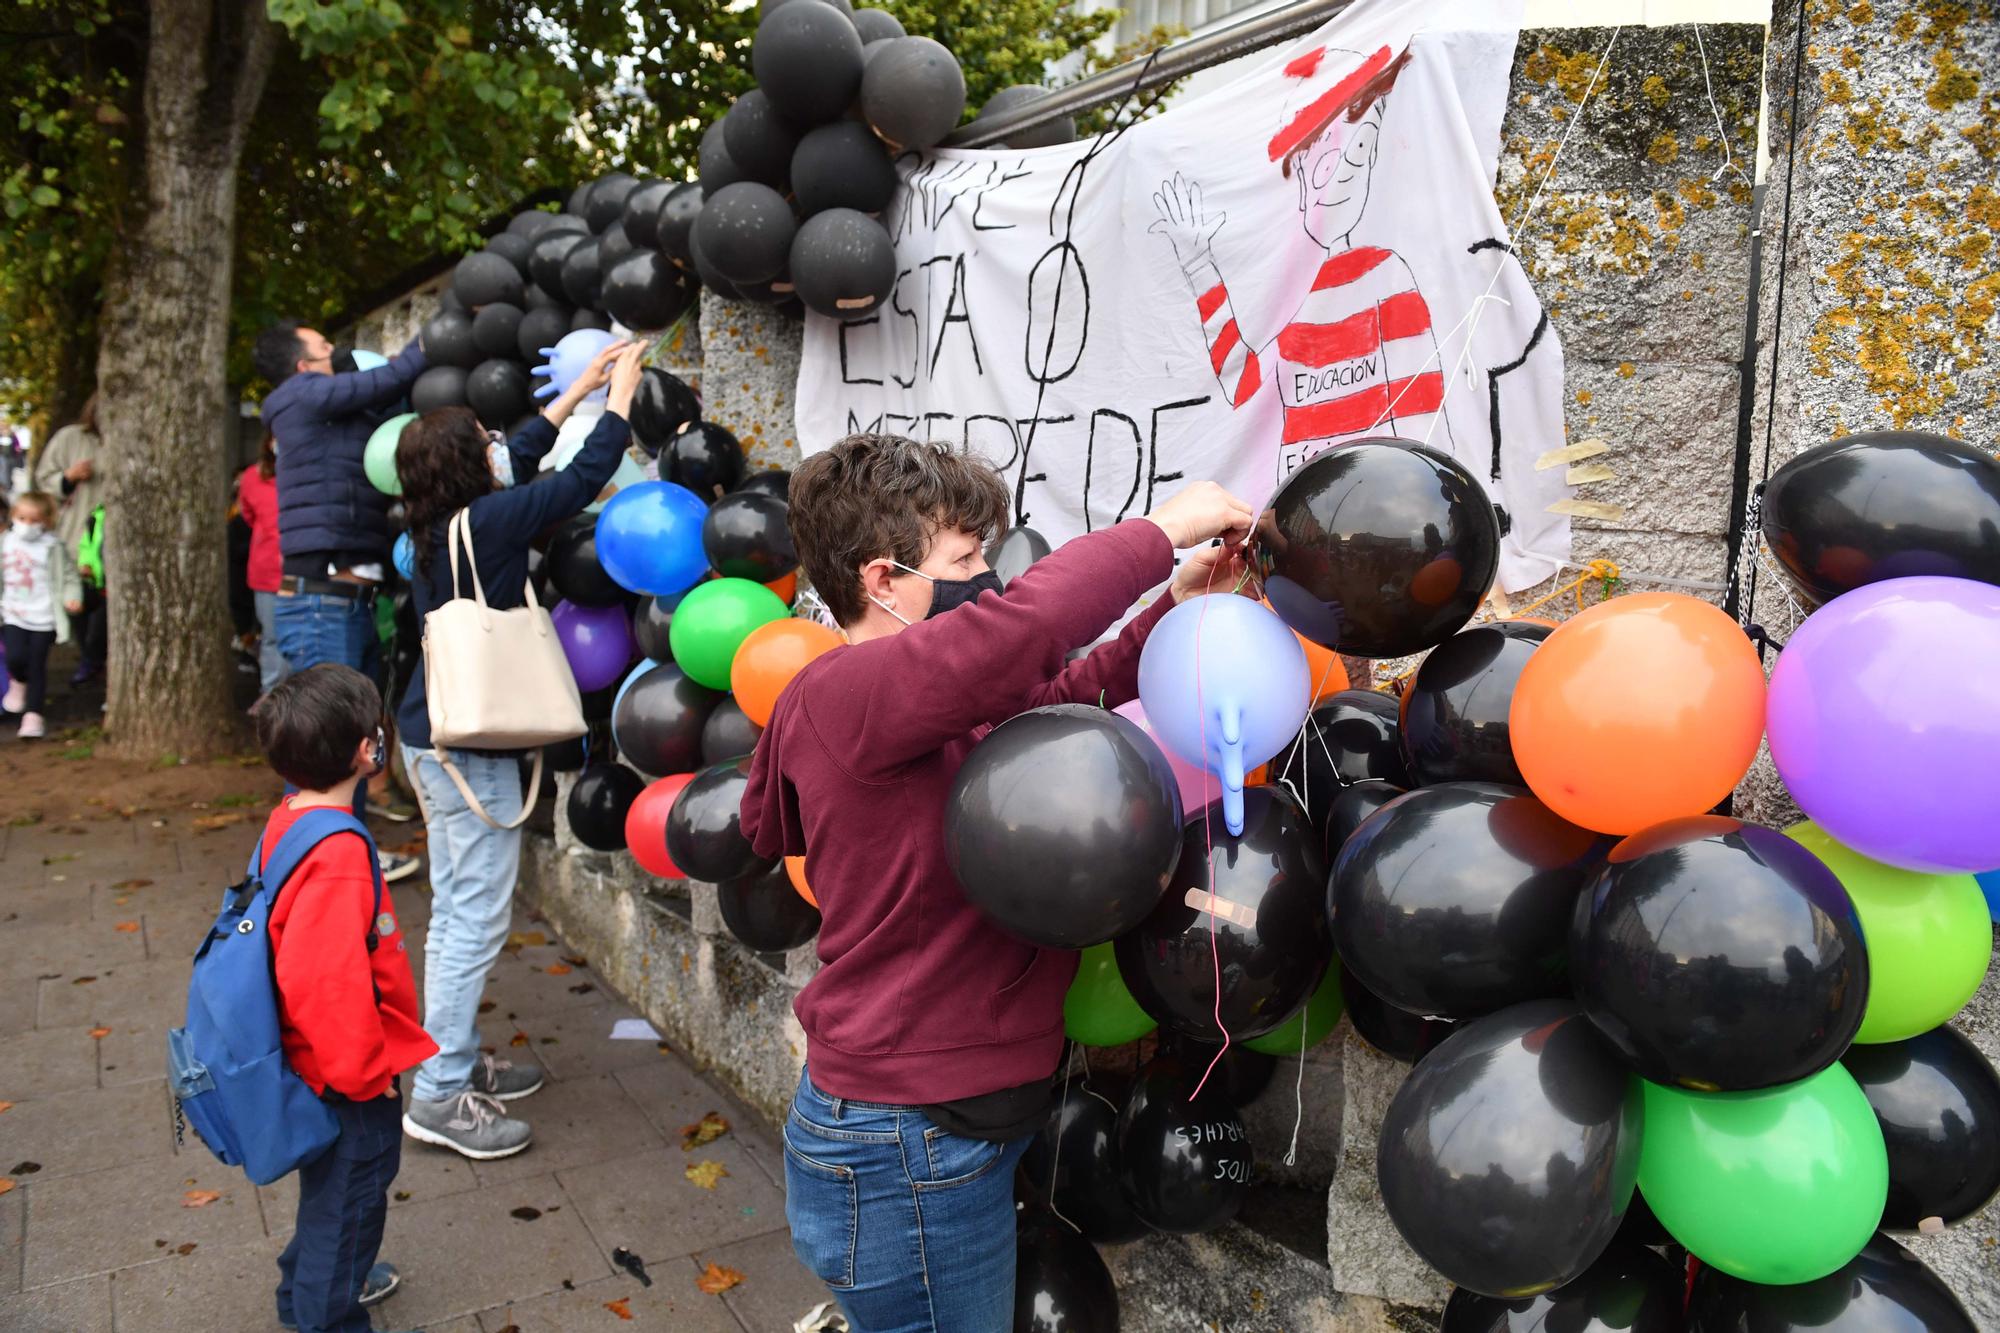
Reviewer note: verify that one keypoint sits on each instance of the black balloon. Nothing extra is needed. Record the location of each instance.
(678, 210)
(1628, 1290)
(530, 224)
(540, 330)
(512, 248)
(657, 721)
(1454, 715)
(641, 218)
(1013, 551)
(662, 405)
(649, 626)
(728, 733)
(583, 274)
(1064, 825)
(759, 140)
(842, 165)
(534, 298)
(586, 318)
(1184, 1161)
(745, 230)
(842, 264)
(613, 245)
(1351, 737)
(1060, 130)
(440, 386)
(746, 536)
(598, 802)
(705, 829)
(876, 25)
(1060, 1283)
(770, 482)
(483, 277)
(1378, 548)
(569, 756)
(606, 201)
(1715, 954)
(579, 200)
(807, 58)
(1071, 1164)
(448, 340)
(1243, 1073)
(597, 703)
(551, 248)
(1508, 1155)
(1938, 1101)
(717, 169)
(913, 92)
(765, 913)
(496, 329)
(705, 458)
(644, 291)
(499, 392)
(1884, 1289)
(1884, 505)
(449, 303)
(1456, 899)
(574, 569)
(1246, 911)
(1350, 810)
(1397, 1033)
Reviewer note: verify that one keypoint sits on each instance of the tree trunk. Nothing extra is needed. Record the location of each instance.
(162, 374)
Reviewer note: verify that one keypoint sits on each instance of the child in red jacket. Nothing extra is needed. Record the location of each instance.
(347, 1002)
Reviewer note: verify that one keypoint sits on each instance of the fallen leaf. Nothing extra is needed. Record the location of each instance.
(6, 1106)
(550, 1041)
(488, 1006)
(186, 1249)
(525, 1213)
(706, 1174)
(99, 1034)
(703, 1132)
(583, 988)
(25, 1168)
(121, 900)
(125, 885)
(127, 927)
(558, 969)
(519, 1039)
(511, 1328)
(622, 1307)
(6, 1183)
(199, 1198)
(210, 823)
(402, 1196)
(716, 1279)
(575, 961)
(82, 981)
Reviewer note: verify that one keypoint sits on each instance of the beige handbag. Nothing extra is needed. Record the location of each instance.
(496, 680)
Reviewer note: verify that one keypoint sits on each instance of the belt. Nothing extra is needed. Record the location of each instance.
(292, 585)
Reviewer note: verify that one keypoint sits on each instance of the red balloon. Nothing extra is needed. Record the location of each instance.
(646, 826)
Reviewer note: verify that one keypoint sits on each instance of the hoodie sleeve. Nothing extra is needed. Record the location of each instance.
(325, 979)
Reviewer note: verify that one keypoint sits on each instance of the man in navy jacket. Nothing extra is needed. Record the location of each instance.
(333, 524)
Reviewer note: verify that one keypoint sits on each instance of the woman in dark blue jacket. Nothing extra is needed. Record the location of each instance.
(442, 459)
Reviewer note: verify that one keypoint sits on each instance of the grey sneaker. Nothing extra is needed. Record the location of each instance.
(397, 866)
(378, 1286)
(503, 1080)
(469, 1123)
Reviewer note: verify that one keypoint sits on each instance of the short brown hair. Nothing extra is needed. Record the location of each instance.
(41, 500)
(311, 722)
(872, 496)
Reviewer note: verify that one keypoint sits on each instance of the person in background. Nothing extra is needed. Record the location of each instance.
(71, 465)
(42, 591)
(257, 501)
(443, 461)
(333, 530)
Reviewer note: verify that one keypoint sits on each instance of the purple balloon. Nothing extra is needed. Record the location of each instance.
(597, 640)
(1884, 722)
(1197, 784)
(1249, 701)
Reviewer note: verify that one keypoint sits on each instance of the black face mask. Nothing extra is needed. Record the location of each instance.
(950, 594)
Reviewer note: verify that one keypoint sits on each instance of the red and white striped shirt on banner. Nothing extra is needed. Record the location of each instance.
(1356, 356)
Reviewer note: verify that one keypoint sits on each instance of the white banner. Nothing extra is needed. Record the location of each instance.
(1308, 255)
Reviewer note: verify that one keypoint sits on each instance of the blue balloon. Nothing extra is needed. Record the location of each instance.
(1989, 884)
(649, 538)
(1249, 701)
(367, 360)
(644, 665)
(569, 358)
(404, 556)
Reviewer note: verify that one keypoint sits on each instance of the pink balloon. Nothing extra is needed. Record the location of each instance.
(1198, 785)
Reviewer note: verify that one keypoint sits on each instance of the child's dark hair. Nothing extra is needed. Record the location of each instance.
(311, 722)
(884, 495)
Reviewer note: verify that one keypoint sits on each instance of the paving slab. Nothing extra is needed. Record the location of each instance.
(154, 991)
(647, 1204)
(210, 1287)
(776, 1287)
(131, 1053)
(570, 1042)
(18, 1001)
(133, 1214)
(672, 1302)
(672, 1095)
(60, 906)
(69, 949)
(70, 1307)
(576, 1121)
(47, 1063)
(87, 1131)
(13, 1207)
(467, 1253)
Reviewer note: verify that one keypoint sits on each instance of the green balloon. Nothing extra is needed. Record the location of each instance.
(1929, 938)
(711, 623)
(1099, 1010)
(378, 458)
(1321, 1012)
(1778, 1186)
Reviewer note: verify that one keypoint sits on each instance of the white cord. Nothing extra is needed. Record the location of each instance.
(1299, 1088)
(1722, 131)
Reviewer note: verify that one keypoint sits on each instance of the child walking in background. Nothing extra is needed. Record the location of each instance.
(257, 501)
(42, 591)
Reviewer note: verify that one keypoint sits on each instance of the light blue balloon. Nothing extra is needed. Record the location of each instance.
(569, 358)
(1250, 697)
(644, 665)
(365, 360)
(649, 539)
(1989, 884)
(404, 555)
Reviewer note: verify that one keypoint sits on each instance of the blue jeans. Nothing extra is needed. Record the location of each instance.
(911, 1227)
(271, 664)
(312, 628)
(343, 1201)
(473, 869)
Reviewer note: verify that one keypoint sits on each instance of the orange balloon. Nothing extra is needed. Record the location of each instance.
(1323, 670)
(1642, 708)
(787, 587)
(768, 659)
(1537, 620)
(795, 871)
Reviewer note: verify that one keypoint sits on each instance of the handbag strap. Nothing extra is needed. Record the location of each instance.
(465, 790)
(463, 520)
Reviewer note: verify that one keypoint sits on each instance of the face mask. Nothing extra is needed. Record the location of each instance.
(948, 594)
(380, 759)
(23, 528)
(499, 459)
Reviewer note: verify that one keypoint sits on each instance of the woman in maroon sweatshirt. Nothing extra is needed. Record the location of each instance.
(932, 1034)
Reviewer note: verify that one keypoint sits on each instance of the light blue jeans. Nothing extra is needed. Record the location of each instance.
(473, 869)
(271, 664)
(910, 1227)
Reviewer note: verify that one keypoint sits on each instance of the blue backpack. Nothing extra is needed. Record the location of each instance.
(227, 1065)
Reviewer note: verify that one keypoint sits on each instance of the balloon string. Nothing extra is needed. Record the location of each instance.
(1208, 837)
(1055, 1167)
(1299, 1087)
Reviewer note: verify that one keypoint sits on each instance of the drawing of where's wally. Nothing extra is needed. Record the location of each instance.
(1358, 356)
